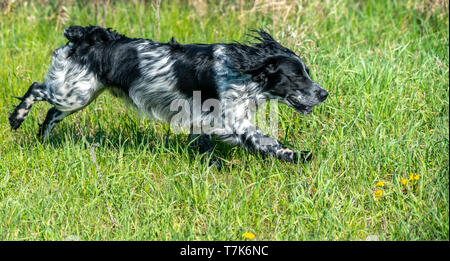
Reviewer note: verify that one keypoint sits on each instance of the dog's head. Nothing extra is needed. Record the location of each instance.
(287, 80)
(281, 74)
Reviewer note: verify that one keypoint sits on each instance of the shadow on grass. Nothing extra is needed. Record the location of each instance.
(128, 136)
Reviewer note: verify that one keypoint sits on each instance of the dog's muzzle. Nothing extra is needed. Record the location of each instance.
(305, 106)
(298, 106)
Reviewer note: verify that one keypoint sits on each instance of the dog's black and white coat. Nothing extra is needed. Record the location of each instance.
(150, 75)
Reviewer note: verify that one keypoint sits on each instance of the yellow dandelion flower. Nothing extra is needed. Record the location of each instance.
(411, 177)
(248, 235)
(378, 194)
(314, 190)
(416, 177)
(404, 181)
(379, 184)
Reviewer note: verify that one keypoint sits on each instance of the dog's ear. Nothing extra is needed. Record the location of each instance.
(267, 67)
(271, 66)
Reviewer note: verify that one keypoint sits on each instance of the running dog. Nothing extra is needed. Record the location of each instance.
(151, 75)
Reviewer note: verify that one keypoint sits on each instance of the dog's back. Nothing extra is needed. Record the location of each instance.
(139, 70)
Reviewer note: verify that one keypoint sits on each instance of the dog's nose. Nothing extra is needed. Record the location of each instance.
(322, 95)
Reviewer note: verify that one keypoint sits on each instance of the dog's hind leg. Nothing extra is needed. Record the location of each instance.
(65, 106)
(36, 92)
(53, 117)
(71, 86)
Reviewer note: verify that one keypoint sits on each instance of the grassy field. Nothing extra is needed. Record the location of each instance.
(107, 174)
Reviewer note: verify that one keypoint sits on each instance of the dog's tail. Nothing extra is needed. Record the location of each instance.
(75, 33)
(90, 34)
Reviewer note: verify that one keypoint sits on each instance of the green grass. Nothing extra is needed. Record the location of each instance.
(107, 174)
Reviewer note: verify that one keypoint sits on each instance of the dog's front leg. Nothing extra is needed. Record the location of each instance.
(250, 137)
(204, 144)
(202, 141)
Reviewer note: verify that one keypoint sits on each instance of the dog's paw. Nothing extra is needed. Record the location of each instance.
(287, 155)
(304, 156)
(15, 120)
(215, 163)
(294, 156)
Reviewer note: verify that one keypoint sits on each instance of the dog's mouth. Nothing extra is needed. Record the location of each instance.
(298, 106)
